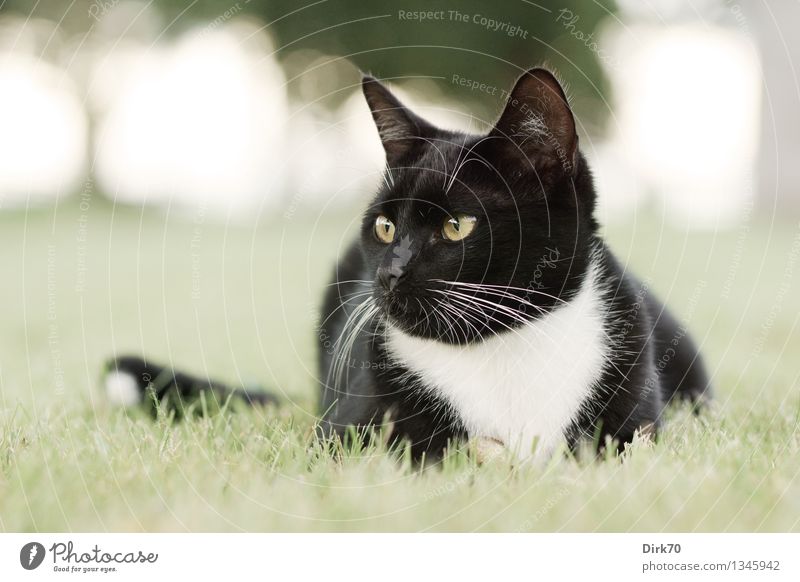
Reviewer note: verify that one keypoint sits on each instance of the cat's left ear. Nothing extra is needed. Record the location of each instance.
(538, 123)
(397, 125)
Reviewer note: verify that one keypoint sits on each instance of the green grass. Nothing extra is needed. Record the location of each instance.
(70, 462)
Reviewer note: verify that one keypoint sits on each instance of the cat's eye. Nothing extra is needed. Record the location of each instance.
(384, 229)
(458, 227)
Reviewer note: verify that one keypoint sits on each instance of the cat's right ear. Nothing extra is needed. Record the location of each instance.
(537, 122)
(397, 125)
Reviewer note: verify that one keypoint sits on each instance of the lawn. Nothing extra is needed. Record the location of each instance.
(238, 301)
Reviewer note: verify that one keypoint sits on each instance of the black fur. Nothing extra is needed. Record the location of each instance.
(535, 240)
(533, 193)
(158, 384)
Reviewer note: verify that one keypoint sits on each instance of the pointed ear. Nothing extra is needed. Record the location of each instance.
(538, 123)
(397, 125)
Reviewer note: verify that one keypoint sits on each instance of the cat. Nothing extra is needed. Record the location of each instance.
(480, 301)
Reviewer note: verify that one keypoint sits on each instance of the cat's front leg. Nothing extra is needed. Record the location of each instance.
(486, 449)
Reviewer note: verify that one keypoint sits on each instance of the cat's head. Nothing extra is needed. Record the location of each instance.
(472, 234)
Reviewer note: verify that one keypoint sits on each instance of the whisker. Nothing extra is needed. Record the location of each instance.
(344, 337)
(344, 362)
(544, 326)
(490, 318)
(450, 308)
(482, 313)
(512, 296)
(487, 285)
(496, 306)
(349, 281)
(515, 315)
(342, 305)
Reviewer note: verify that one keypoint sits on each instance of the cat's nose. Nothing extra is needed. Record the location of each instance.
(389, 277)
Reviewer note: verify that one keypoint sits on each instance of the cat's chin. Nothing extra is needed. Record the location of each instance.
(408, 314)
(444, 335)
(423, 330)
(423, 326)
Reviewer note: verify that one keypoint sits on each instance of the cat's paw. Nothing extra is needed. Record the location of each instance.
(486, 449)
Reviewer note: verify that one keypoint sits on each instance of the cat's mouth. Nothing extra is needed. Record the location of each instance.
(457, 313)
(401, 307)
(426, 314)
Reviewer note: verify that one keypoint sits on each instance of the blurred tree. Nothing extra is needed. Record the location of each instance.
(489, 42)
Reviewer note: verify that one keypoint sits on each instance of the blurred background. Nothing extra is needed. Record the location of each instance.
(255, 104)
(177, 177)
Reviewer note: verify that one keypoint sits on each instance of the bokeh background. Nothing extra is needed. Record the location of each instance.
(246, 104)
(177, 178)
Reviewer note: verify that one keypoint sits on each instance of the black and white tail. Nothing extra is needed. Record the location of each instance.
(132, 380)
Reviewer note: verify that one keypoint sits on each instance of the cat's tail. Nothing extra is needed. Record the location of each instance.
(132, 380)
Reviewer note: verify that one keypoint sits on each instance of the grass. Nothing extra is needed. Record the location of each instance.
(238, 302)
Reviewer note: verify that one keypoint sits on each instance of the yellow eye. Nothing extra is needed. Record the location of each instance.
(384, 229)
(458, 227)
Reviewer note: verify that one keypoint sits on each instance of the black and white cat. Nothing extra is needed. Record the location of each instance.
(480, 302)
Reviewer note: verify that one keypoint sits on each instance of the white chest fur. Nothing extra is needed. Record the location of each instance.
(522, 388)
